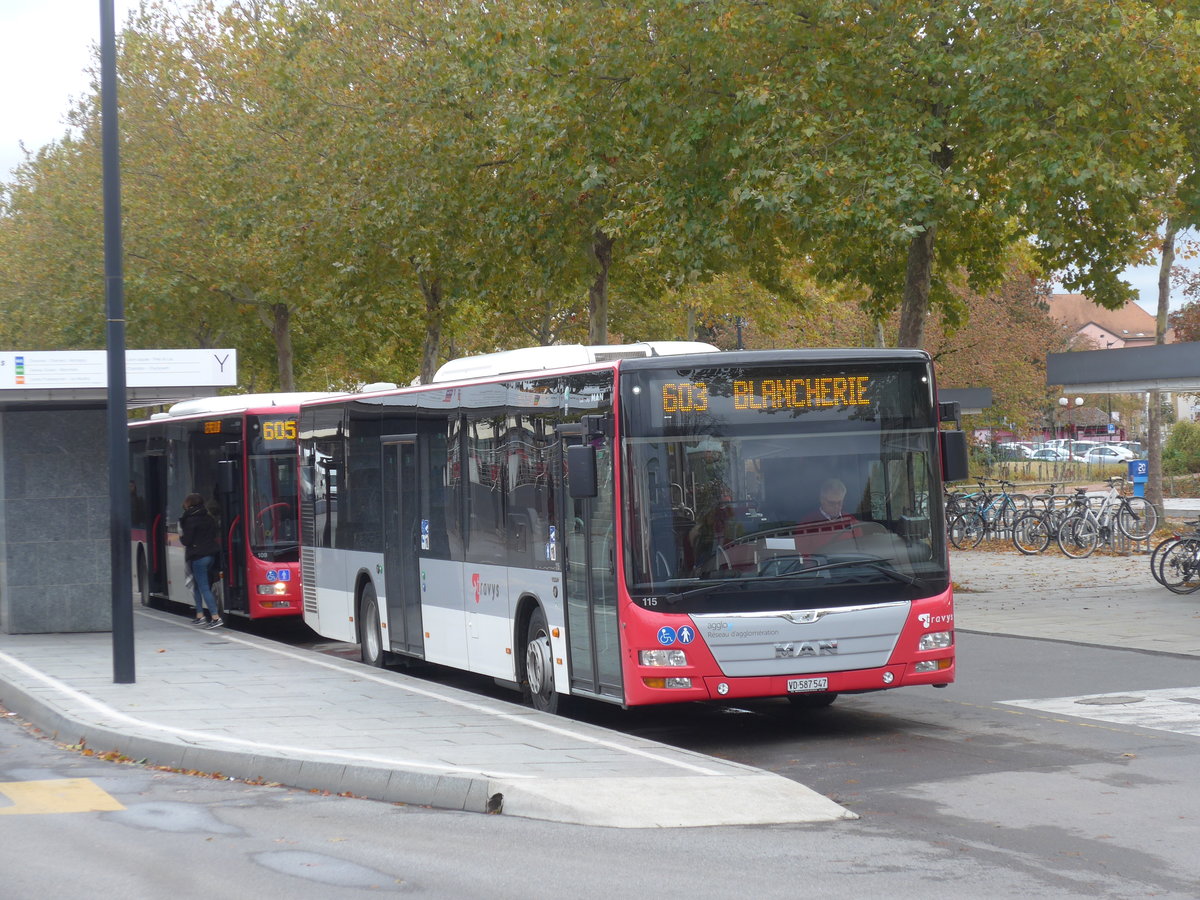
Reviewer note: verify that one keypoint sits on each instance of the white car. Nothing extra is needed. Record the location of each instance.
(1105, 454)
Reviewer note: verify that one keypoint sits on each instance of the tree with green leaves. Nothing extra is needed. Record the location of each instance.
(910, 144)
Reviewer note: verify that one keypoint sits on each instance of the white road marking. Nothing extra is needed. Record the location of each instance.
(1170, 709)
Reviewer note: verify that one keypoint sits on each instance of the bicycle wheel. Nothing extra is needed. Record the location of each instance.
(1020, 501)
(1030, 533)
(966, 530)
(998, 520)
(1137, 518)
(1180, 566)
(1078, 535)
(1157, 555)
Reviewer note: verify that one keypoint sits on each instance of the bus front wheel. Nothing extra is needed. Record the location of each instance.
(539, 665)
(370, 635)
(143, 575)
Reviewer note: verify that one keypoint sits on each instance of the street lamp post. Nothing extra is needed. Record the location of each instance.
(1065, 403)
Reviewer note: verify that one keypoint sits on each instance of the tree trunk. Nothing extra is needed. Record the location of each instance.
(602, 246)
(278, 317)
(917, 278)
(1154, 487)
(431, 290)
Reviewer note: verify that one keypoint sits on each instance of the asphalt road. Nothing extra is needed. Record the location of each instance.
(1005, 784)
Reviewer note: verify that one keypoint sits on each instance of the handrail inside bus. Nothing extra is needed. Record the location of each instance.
(230, 568)
(154, 540)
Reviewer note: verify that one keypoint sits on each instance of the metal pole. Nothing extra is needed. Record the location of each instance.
(114, 291)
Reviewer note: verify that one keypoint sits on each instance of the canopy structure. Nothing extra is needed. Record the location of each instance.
(1162, 367)
(971, 401)
(79, 378)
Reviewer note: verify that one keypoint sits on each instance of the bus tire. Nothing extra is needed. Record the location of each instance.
(370, 635)
(143, 575)
(538, 683)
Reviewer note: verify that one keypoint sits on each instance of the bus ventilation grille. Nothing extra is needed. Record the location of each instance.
(308, 579)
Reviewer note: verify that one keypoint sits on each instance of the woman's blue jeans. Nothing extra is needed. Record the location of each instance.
(201, 589)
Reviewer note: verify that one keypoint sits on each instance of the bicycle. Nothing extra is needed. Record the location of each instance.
(1034, 528)
(1083, 529)
(1175, 562)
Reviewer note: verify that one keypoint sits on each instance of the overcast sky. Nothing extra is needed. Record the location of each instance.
(45, 50)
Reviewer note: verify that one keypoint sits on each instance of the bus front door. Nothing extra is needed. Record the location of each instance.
(591, 587)
(235, 595)
(402, 544)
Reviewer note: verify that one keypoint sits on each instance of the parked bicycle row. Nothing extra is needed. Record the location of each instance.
(1078, 522)
(1175, 562)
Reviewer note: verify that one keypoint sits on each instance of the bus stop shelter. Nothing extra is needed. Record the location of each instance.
(55, 557)
(1162, 367)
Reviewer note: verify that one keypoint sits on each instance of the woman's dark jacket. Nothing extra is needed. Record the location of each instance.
(198, 533)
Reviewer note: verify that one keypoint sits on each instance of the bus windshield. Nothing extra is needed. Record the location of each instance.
(271, 518)
(755, 501)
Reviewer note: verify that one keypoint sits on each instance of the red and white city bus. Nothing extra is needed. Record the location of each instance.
(640, 523)
(239, 453)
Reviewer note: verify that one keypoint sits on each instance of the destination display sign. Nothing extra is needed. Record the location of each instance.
(766, 394)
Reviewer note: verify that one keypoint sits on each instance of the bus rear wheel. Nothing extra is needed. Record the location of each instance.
(539, 666)
(370, 635)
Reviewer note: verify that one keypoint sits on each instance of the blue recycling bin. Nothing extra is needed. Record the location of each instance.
(1139, 474)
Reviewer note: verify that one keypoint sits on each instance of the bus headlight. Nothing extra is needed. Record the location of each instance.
(936, 640)
(933, 665)
(668, 682)
(279, 587)
(663, 658)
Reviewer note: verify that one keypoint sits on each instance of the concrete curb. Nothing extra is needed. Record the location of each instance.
(388, 784)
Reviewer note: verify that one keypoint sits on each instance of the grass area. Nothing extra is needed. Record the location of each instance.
(1043, 473)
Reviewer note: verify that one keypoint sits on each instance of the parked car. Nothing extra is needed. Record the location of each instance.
(1051, 453)
(1104, 453)
(1134, 447)
(1012, 450)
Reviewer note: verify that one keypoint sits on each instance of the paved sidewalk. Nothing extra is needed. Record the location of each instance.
(247, 707)
(1106, 600)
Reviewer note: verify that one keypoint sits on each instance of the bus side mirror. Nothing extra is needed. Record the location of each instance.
(581, 471)
(227, 476)
(955, 458)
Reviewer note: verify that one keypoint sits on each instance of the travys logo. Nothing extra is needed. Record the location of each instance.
(927, 620)
(484, 590)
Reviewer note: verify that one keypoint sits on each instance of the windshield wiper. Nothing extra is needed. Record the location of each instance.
(877, 563)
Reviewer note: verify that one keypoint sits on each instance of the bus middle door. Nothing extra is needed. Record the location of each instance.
(402, 544)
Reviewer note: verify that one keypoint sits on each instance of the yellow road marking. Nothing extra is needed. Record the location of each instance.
(62, 795)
